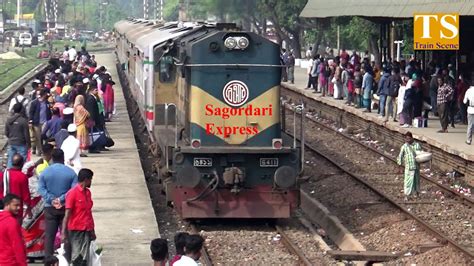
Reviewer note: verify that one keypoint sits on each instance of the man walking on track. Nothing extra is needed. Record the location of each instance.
(54, 182)
(12, 246)
(78, 223)
(412, 168)
(469, 101)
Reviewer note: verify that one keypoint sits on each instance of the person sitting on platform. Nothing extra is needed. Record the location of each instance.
(52, 126)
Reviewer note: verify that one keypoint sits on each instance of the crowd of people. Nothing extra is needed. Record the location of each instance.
(47, 201)
(406, 92)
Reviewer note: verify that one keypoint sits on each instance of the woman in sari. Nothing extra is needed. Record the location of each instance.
(108, 99)
(81, 116)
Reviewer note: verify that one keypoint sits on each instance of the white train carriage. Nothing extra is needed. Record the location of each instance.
(142, 48)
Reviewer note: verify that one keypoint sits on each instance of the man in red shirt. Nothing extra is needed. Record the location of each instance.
(78, 223)
(12, 246)
(16, 182)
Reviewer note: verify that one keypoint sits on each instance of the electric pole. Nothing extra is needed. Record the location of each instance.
(145, 9)
(46, 15)
(161, 9)
(18, 12)
(100, 15)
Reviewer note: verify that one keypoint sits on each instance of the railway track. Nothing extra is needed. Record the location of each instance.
(249, 242)
(448, 215)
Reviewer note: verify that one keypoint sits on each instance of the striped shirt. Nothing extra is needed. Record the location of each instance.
(407, 155)
(445, 93)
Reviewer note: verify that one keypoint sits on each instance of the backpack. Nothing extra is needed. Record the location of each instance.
(23, 110)
(394, 87)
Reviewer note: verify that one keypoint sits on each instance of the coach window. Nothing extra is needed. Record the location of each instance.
(167, 69)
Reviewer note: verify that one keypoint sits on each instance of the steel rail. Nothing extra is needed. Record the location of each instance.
(205, 258)
(389, 199)
(466, 200)
(292, 247)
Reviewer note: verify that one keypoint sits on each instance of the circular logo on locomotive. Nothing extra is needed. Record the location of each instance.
(235, 93)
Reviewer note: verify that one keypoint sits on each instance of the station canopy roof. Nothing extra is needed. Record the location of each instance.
(385, 8)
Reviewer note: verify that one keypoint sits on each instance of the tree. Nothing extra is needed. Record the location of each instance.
(284, 15)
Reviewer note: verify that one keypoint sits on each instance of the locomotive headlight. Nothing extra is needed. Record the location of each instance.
(243, 43)
(230, 43)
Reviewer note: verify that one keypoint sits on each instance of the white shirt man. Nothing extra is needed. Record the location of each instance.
(309, 52)
(18, 99)
(71, 149)
(65, 55)
(469, 101)
(310, 66)
(185, 261)
(72, 54)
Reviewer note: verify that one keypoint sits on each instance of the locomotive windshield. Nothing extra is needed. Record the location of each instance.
(167, 69)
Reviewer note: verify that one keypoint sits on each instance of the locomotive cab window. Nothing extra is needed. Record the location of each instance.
(167, 69)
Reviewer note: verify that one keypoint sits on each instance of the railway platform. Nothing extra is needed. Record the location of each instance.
(450, 152)
(123, 213)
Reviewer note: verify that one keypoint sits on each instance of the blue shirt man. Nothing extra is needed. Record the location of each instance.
(52, 126)
(54, 182)
(367, 85)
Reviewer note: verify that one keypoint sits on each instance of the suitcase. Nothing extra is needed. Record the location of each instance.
(420, 122)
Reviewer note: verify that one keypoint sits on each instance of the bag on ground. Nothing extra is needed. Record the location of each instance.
(97, 139)
(109, 142)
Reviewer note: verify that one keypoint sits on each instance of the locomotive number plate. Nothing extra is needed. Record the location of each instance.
(268, 162)
(202, 162)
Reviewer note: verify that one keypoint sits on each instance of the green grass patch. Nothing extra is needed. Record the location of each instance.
(13, 69)
(16, 69)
